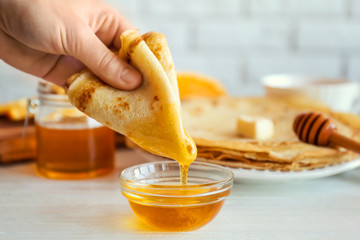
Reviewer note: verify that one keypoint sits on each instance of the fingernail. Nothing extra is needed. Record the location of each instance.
(131, 76)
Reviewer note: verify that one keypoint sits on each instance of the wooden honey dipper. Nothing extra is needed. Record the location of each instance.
(317, 129)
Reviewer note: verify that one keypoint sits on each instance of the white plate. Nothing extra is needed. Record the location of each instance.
(274, 176)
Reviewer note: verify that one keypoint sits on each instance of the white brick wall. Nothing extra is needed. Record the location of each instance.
(197, 8)
(242, 34)
(329, 35)
(15, 84)
(353, 67)
(217, 65)
(354, 9)
(239, 41)
(303, 64)
(299, 7)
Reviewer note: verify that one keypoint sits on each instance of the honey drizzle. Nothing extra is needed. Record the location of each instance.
(183, 173)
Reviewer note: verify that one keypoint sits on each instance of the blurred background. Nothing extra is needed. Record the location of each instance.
(239, 41)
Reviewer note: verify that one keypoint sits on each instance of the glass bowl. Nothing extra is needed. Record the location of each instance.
(157, 197)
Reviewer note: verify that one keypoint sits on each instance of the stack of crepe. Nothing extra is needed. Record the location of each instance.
(212, 124)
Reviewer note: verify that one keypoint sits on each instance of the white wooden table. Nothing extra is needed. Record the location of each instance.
(32, 207)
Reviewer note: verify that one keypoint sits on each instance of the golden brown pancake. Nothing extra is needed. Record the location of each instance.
(150, 115)
(212, 124)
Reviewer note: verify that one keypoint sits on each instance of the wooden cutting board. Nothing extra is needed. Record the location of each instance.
(14, 147)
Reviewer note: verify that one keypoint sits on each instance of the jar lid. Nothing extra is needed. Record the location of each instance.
(52, 94)
(45, 87)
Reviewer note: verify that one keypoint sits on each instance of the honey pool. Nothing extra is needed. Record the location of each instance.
(156, 196)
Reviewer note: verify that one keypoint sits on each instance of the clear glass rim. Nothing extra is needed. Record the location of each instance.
(125, 182)
(55, 99)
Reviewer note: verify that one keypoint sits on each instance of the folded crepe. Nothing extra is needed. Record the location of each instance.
(212, 124)
(150, 115)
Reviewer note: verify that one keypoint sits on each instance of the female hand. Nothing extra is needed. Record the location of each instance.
(53, 39)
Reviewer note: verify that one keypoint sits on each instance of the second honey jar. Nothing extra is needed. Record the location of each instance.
(70, 145)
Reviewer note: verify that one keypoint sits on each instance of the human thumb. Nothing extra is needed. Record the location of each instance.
(105, 64)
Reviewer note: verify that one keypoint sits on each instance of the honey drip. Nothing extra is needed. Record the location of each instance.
(183, 173)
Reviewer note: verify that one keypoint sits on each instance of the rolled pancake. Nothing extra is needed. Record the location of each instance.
(212, 124)
(150, 115)
(158, 45)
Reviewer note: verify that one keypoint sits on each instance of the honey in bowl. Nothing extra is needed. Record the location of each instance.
(159, 199)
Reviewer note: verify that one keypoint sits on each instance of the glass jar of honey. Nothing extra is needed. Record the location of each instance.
(70, 145)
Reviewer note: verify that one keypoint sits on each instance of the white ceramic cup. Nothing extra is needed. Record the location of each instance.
(338, 93)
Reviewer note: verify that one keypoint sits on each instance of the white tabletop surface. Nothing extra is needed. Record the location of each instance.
(32, 207)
